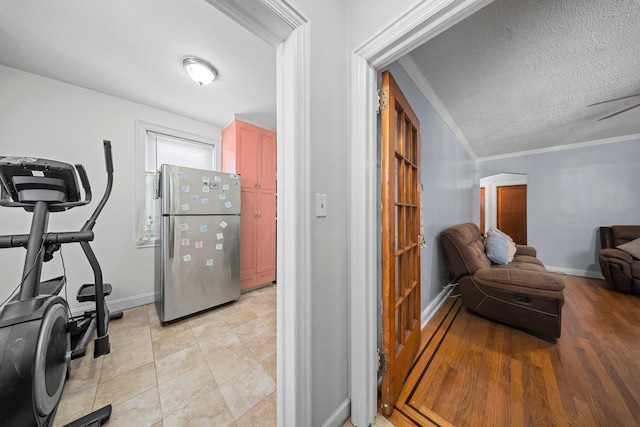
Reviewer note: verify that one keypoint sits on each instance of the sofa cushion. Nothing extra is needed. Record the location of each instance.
(632, 248)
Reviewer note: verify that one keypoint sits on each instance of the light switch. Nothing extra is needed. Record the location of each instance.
(321, 204)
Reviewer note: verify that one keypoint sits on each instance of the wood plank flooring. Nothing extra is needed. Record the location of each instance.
(475, 372)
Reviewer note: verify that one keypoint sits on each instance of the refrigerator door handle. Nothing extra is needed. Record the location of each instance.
(172, 225)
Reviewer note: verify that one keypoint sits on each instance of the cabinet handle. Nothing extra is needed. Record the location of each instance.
(259, 214)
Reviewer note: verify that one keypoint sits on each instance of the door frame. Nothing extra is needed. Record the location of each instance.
(417, 25)
(289, 34)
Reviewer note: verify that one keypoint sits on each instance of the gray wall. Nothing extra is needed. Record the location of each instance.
(573, 192)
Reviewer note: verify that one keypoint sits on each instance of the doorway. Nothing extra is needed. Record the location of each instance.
(505, 204)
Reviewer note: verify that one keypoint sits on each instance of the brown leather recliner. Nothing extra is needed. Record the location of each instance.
(522, 293)
(620, 270)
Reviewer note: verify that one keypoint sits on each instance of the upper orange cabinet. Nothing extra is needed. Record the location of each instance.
(250, 151)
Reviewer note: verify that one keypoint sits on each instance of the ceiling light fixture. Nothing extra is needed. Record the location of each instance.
(199, 70)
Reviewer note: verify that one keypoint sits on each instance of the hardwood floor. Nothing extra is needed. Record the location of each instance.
(475, 372)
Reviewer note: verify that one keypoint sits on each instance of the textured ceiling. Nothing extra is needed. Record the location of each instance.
(518, 75)
(133, 50)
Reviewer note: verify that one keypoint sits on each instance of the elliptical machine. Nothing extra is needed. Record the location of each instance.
(36, 329)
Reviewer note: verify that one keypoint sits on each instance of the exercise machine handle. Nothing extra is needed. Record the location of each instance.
(108, 158)
(85, 183)
(91, 222)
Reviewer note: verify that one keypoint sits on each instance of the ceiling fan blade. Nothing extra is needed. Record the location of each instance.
(620, 112)
(615, 99)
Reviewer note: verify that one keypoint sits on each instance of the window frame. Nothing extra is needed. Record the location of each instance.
(142, 128)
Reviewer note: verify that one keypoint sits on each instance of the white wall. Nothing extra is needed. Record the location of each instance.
(50, 119)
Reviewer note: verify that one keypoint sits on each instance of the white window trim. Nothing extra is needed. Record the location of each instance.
(142, 128)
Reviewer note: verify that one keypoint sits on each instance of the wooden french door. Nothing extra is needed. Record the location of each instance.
(511, 215)
(400, 241)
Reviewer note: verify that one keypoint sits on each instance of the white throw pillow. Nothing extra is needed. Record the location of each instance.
(632, 248)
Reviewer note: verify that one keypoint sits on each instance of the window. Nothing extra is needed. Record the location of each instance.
(158, 146)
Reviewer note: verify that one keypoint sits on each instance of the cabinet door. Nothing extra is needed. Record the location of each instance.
(248, 221)
(267, 161)
(266, 242)
(248, 156)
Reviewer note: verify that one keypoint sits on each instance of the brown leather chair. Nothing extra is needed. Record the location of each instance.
(521, 293)
(620, 270)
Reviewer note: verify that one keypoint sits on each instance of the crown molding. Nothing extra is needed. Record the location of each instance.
(577, 145)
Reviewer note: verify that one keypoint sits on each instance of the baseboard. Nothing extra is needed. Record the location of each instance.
(576, 272)
(340, 416)
(119, 304)
(434, 305)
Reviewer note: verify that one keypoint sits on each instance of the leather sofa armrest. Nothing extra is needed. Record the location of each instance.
(615, 255)
(606, 237)
(526, 250)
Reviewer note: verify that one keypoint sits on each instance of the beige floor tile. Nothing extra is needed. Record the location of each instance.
(173, 342)
(74, 405)
(83, 373)
(240, 317)
(271, 320)
(120, 362)
(142, 410)
(205, 409)
(209, 318)
(226, 365)
(252, 329)
(247, 389)
(269, 365)
(263, 346)
(132, 317)
(173, 379)
(205, 331)
(124, 339)
(178, 363)
(178, 392)
(126, 386)
(219, 343)
(261, 415)
(263, 308)
(162, 332)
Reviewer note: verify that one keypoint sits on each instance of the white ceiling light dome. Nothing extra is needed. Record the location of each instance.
(199, 70)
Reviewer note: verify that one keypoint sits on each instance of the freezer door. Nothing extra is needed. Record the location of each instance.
(200, 264)
(187, 191)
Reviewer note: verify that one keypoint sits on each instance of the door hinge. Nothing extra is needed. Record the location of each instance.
(383, 362)
(383, 100)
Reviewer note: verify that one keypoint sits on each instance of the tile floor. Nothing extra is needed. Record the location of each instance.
(214, 369)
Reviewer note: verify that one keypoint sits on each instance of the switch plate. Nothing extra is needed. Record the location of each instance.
(321, 204)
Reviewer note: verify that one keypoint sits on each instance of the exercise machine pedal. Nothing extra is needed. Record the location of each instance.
(87, 292)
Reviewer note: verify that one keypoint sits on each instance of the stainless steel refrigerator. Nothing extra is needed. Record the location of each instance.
(197, 258)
